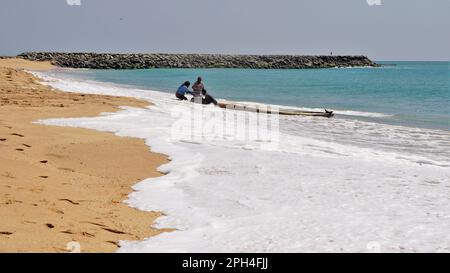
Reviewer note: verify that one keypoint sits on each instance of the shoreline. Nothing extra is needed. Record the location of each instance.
(66, 184)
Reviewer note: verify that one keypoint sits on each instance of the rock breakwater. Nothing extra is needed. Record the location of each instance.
(141, 61)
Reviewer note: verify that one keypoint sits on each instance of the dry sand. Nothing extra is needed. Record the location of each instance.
(60, 184)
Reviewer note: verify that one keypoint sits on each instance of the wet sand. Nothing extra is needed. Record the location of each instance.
(58, 184)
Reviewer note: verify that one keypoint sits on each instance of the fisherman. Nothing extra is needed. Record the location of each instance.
(182, 90)
(207, 98)
(200, 94)
(198, 87)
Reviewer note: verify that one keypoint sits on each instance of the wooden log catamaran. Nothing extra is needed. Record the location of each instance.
(268, 110)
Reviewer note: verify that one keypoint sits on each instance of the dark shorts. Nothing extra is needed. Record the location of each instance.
(180, 97)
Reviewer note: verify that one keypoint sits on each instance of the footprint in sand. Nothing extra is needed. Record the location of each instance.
(70, 201)
(36, 190)
(114, 243)
(67, 169)
(114, 230)
(55, 210)
(10, 202)
(87, 234)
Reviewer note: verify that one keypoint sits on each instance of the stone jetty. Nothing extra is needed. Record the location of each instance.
(155, 60)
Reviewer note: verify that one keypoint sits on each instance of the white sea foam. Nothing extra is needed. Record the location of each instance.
(327, 185)
(361, 114)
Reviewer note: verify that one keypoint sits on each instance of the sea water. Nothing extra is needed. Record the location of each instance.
(375, 178)
(414, 94)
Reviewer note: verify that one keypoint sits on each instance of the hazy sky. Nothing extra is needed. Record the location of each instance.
(396, 30)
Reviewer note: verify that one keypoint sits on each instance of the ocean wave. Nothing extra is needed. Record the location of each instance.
(309, 193)
(351, 113)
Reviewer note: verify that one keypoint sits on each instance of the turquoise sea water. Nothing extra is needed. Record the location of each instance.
(415, 94)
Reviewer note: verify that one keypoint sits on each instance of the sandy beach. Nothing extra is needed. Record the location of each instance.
(60, 184)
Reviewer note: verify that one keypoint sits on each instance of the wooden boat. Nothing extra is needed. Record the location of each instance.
(286, 112)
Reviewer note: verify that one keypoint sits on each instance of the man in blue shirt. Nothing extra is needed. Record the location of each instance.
(182, 90)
